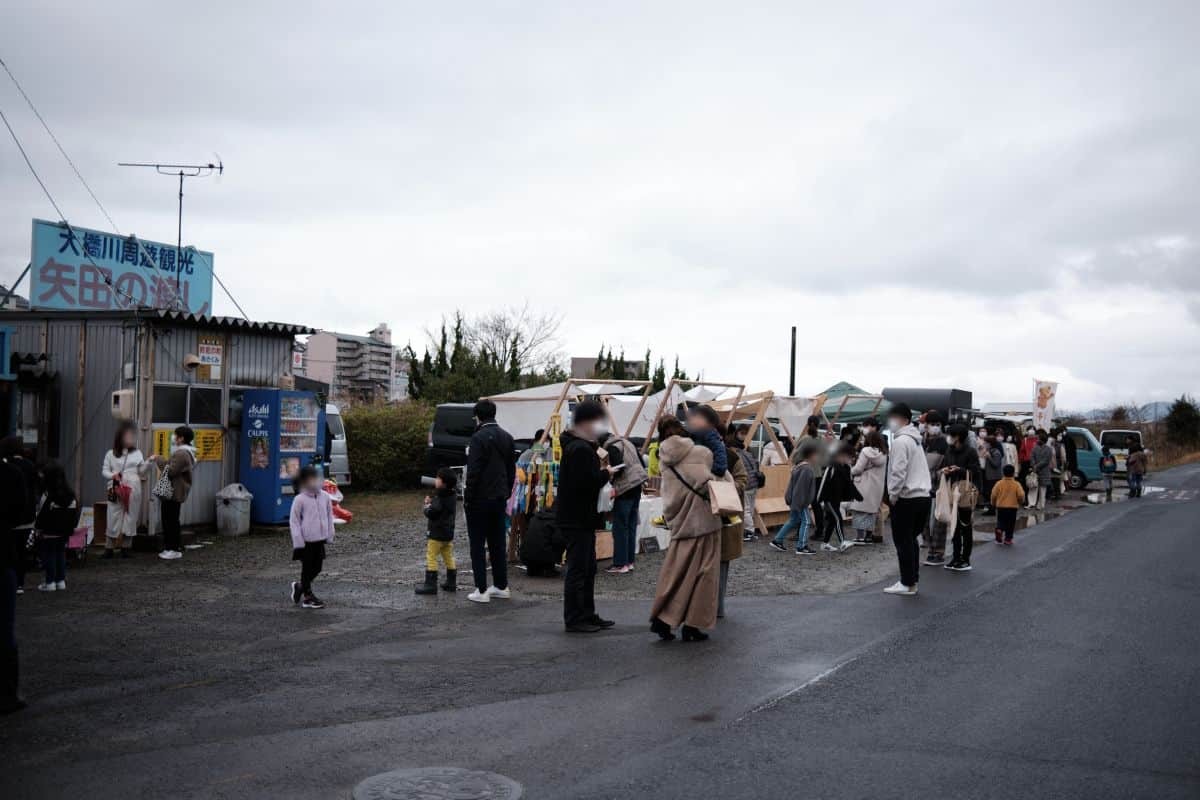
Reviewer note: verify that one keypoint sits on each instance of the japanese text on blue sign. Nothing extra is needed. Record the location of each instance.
(79, 268)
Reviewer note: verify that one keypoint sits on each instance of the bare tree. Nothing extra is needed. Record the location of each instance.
(533, 334)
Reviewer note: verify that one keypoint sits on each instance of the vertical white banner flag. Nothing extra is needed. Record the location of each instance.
(1043, 404)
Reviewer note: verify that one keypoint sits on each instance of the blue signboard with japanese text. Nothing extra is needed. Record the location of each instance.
(82, 269)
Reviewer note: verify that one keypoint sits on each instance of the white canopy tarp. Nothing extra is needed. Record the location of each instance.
(793, 412)
(524, 411)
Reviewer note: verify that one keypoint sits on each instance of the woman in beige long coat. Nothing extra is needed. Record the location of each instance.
(688, 580)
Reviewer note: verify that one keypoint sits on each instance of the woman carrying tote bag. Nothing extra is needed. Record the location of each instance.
(688, 582)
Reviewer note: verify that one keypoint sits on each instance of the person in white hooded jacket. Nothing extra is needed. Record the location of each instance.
(179, 471)
(908, 489)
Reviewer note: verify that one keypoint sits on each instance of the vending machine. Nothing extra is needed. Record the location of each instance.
(282, 431)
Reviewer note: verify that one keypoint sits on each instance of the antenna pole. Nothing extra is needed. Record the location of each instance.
(183, 171)
(179, 243)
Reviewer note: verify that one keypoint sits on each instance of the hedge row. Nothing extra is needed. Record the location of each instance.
(386, 444)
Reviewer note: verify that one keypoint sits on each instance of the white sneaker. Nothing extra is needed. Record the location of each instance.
(479, 597)
(47, 587)
(845, 546)
(900, 589)
(170, 555)
(61, 586)
(829, 548)
(499, 594)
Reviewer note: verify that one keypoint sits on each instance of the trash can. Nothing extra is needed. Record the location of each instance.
(233, 510)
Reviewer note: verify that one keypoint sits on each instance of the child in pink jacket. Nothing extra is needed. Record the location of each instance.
(312, 527)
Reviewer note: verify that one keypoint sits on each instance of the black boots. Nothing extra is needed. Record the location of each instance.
(451, 584)
(430, 584)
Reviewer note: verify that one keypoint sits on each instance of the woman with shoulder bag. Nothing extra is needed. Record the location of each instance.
(123, 469)
(689, 578)
(172, 490)
(961, 468)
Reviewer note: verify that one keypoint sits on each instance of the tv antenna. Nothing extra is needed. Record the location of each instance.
(182, 171)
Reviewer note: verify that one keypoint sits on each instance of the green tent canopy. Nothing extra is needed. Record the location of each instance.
(859, 403)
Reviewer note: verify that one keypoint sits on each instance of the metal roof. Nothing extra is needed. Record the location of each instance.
(167, 316)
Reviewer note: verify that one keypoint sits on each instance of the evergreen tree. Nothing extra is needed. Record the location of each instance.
(618, 370)
(659, 380)
(442, 359)
(1183, 422)
(644, 372)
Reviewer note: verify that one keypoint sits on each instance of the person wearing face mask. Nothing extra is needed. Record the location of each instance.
(961, 464)
(627, 484)
(491, 470)
(908, 493)
(935, 456)
(1026, 452)
(581, 476)
(993, 466)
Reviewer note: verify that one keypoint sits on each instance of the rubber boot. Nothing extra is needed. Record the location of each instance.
(451, 584)
(430, 584)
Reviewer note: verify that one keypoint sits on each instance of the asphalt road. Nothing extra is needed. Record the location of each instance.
(1067, 666)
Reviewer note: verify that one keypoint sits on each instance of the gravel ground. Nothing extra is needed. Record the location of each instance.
(380, 555)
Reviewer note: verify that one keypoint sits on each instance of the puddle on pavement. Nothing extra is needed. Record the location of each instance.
(1027, 519)
(1101, 498)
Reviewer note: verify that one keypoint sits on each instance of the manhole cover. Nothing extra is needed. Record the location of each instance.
(437, 783)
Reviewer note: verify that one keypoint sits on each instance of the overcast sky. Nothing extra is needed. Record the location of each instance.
(952, 193)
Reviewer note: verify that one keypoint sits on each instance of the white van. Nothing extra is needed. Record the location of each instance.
(339, 456)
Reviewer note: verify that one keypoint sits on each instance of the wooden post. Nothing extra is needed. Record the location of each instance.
(80, 420)
(658, 414)
(638, 412)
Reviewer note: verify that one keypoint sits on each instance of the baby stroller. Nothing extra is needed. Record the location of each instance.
(77, 543)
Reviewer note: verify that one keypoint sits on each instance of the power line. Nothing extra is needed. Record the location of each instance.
(62, 217)
(58, 144)
(29, 164)
(153, 262)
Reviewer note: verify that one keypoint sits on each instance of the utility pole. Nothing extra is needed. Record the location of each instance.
(183, 171)
(792, 372)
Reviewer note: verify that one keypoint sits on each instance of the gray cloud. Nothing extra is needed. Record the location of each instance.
(441, 155)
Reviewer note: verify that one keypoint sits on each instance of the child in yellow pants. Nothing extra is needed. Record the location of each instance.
(441, 510)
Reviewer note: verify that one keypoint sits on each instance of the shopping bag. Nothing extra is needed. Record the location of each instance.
(968, 494)
(162, 488)
(604, 503)
(723, 497)
(944, 502)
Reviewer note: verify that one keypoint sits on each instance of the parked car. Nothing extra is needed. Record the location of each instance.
(1118, 442)
(449, 435)
(1087, 457)
(336, 452)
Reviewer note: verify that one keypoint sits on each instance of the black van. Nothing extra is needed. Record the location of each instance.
(453, 425)
(449, 435)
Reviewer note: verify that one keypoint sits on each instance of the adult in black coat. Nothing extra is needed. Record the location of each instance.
(15, 503)
(491, 470)
(581, 476)
(961, 464)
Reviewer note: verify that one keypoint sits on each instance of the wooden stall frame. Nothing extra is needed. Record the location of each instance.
(741, 387)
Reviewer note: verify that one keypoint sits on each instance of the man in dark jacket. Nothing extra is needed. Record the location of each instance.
(581, 476)
(14, 505)
(491, 470)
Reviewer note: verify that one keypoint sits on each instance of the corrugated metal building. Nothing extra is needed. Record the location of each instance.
(65, 366)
